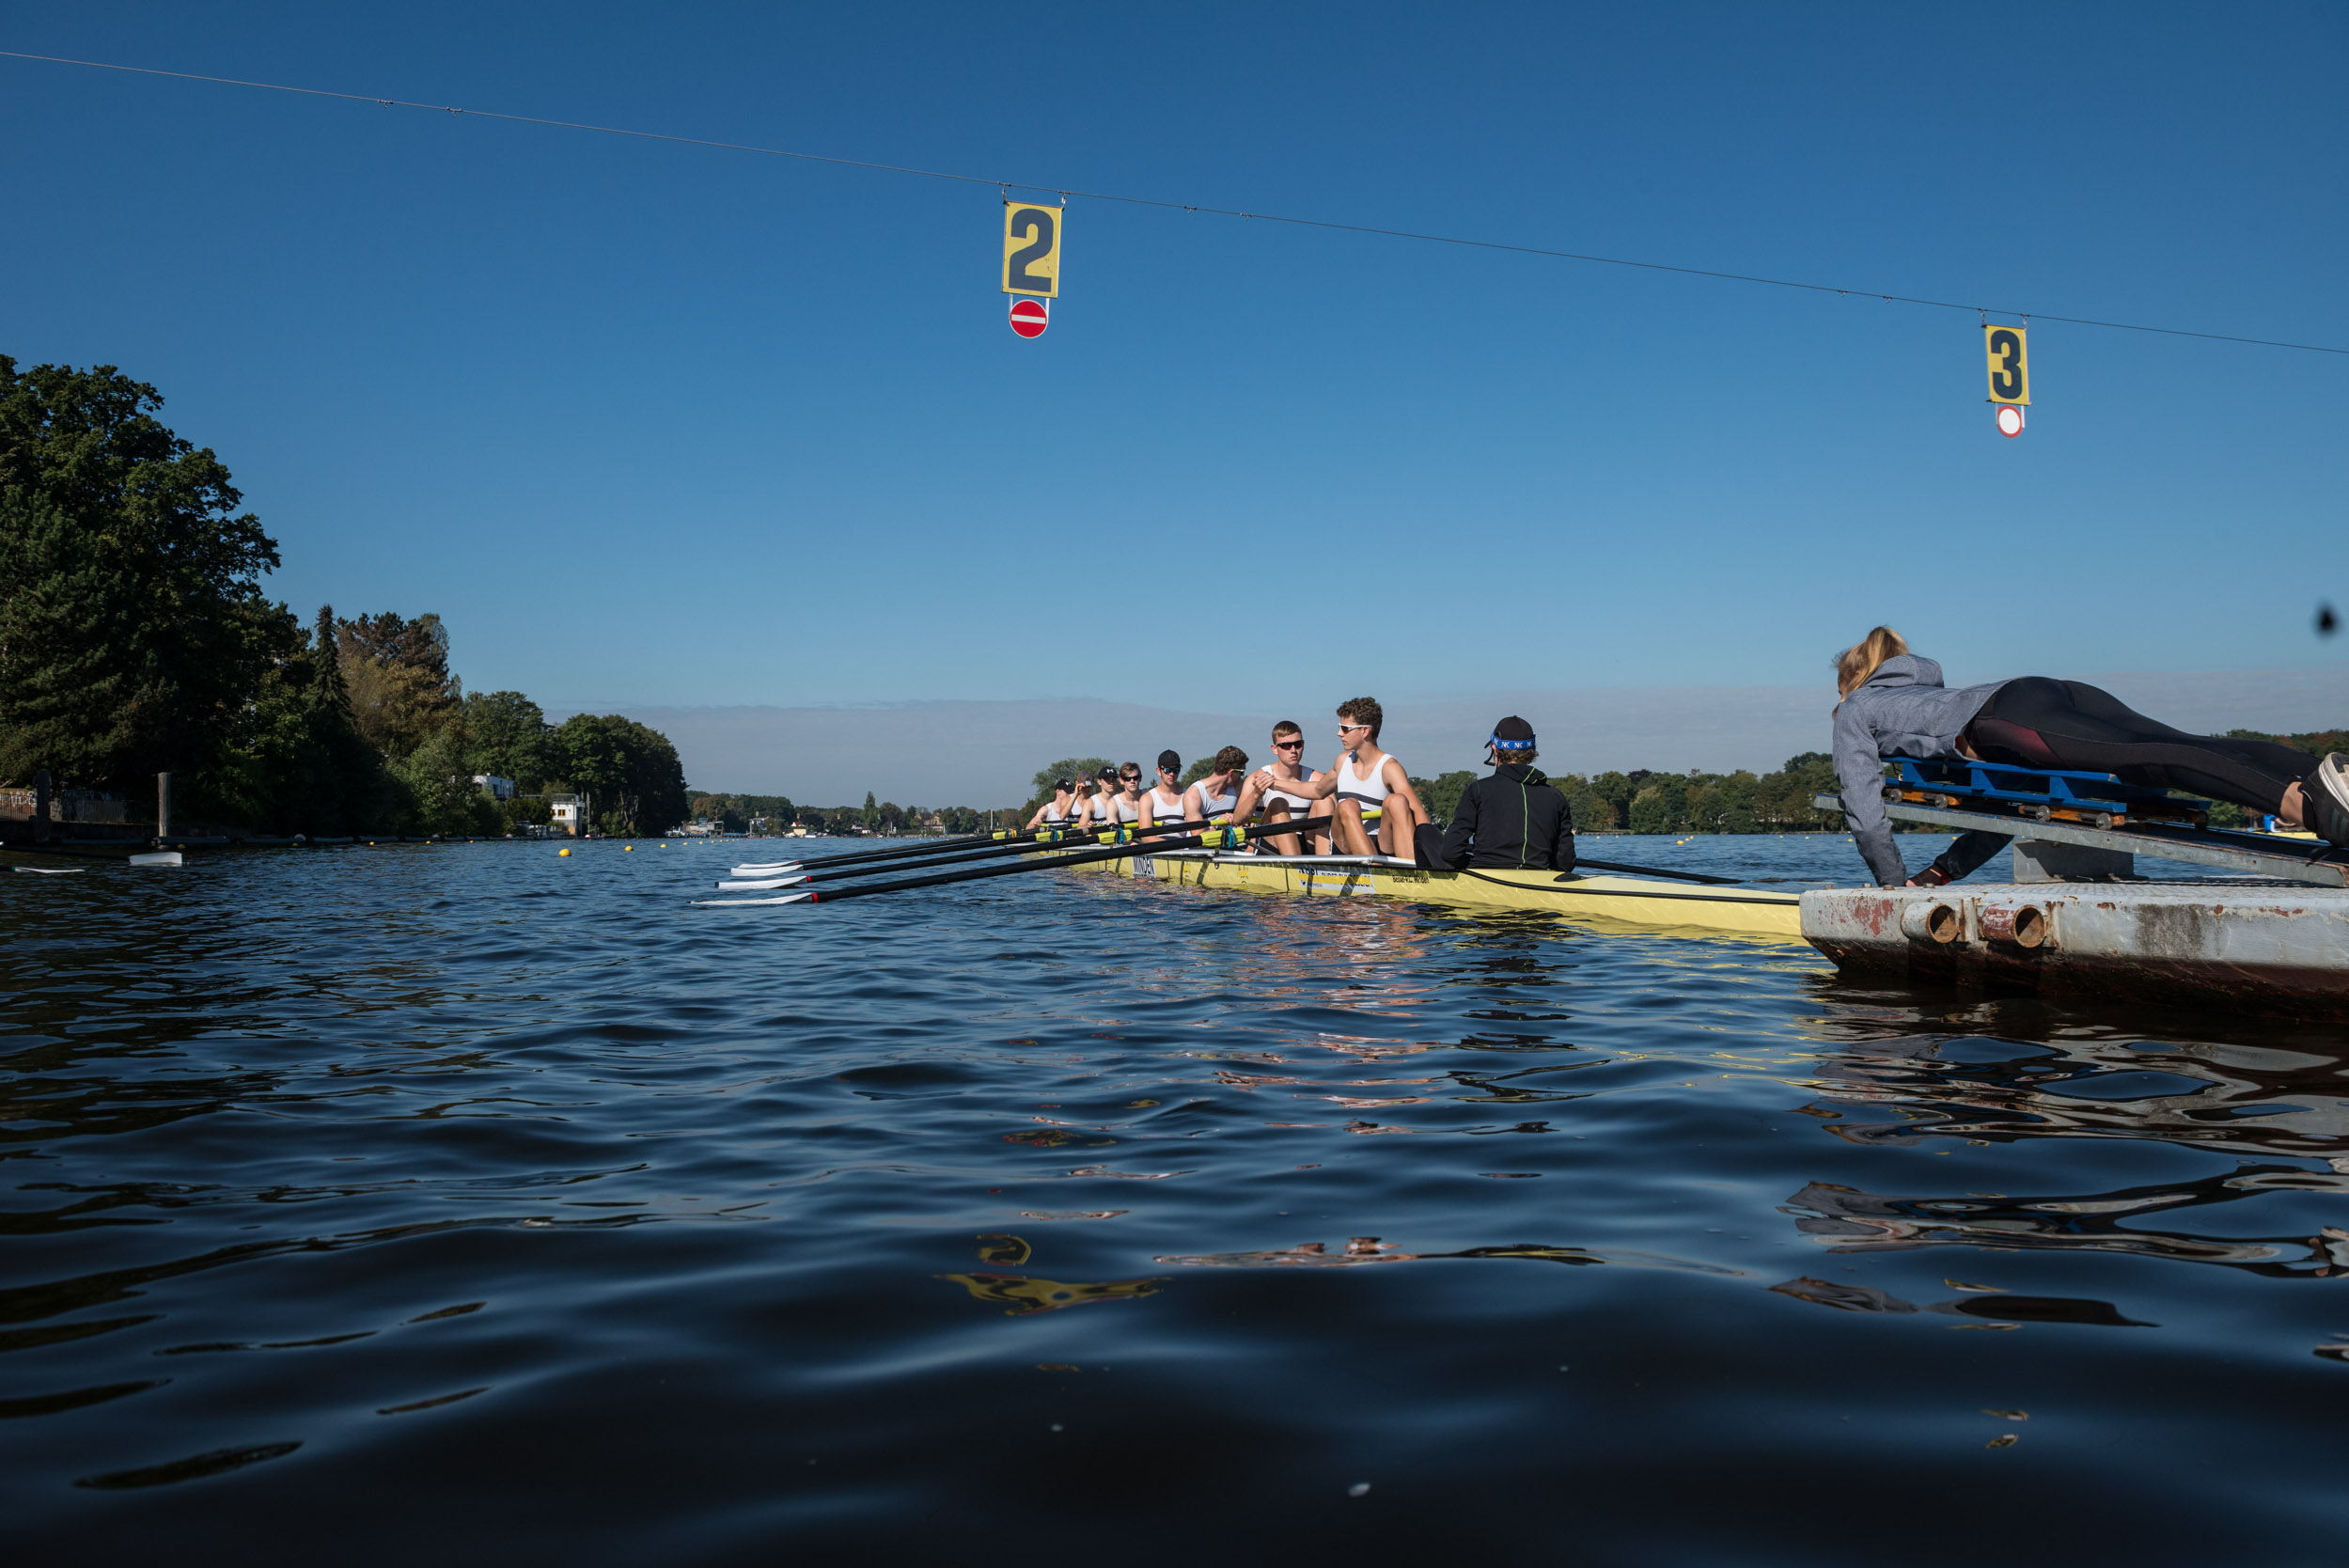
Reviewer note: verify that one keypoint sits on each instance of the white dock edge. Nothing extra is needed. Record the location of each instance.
(2261, 946)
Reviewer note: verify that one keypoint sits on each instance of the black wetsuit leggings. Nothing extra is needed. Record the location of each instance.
(2039, 723)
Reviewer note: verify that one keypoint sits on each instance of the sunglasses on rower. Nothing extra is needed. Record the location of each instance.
(1297, 744)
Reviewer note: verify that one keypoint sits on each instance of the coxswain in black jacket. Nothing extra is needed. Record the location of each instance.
(1513, 820)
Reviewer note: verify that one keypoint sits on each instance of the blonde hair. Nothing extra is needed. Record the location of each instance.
(1855, 664)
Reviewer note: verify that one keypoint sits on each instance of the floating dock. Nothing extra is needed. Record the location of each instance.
(2258, 946)
(2274, 938)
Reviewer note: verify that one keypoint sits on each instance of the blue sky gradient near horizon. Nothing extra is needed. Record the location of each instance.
(650, 424)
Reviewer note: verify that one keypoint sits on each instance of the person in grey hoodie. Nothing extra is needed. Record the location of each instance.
(1894, 704)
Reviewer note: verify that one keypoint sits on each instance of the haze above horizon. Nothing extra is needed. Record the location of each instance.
(652, 425)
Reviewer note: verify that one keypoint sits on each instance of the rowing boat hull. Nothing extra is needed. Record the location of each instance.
(1622, 900)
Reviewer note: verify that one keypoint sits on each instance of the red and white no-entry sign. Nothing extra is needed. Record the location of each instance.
(1030, 316)
(2009, 420)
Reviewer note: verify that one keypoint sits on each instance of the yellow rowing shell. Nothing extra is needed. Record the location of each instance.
(1623, 899)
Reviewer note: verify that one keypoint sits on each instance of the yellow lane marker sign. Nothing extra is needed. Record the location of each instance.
(1031, 249)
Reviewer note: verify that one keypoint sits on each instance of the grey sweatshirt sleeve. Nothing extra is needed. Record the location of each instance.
(1859, 772)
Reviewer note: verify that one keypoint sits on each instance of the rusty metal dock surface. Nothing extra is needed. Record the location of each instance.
(2253, 944)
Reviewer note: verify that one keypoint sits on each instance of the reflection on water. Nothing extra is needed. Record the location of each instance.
(2238, 1098)
(2100, 1222)
(2007, 1310)
(468, 1185)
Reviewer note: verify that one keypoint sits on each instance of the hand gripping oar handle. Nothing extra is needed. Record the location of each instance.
(1213, 837)
(1650, 870)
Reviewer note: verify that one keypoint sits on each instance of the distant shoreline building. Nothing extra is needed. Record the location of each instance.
(569, 813)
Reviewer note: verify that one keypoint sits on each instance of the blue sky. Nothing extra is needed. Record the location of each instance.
(650, 424)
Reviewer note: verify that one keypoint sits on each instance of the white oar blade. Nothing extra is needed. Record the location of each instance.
(775, 868)
(741, 904)
(167, 857)
(760, 883)
(52, 871)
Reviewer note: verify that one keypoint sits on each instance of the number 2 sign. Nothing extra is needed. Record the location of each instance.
(2010, 364)
(1031, 249)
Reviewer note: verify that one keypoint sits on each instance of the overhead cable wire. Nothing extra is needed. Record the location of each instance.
(1172, 206)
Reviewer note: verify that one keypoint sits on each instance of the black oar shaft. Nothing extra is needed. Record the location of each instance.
(1042, 862)
(1017, 842)
(831, 868)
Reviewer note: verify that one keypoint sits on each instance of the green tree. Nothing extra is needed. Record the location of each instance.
(1616, 789)
(441, 788)
(300, 764)
(630, 774)
(396, 672)
(1591, 809)
(133, 633)
(508, 737)
(1442, 793)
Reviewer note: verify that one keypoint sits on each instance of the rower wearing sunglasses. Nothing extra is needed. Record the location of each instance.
(1362, 782)
(1125, 808)
(1265, 794)
(1163, 801)
(1099, 811)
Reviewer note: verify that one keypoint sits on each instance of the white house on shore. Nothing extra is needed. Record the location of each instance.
(569, 813)
(497, 789)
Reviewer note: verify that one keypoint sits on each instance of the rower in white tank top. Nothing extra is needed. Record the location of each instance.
(1212, 805)
(1298, 804)
(1369, 793)
(1163, 810)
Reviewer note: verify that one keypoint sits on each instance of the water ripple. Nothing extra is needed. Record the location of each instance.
(429, 1184)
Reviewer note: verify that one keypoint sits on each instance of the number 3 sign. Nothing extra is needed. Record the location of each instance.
(1031, 249)
(2010, 364)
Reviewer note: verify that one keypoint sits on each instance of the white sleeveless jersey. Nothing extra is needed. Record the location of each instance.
(1217, 806)
(1295, 802)
(1164, 811)
(1369, 792)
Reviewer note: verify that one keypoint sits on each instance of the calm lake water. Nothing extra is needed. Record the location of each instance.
(466, 1203)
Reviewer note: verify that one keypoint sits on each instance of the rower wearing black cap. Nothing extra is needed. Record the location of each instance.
(1513, 820)
(1101, 808)
(1061, 810)
(1163, 801)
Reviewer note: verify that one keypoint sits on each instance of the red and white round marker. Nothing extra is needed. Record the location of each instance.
(1030, 316)
(2010, 418)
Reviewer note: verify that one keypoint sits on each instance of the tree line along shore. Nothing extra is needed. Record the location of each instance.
(135, 640)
